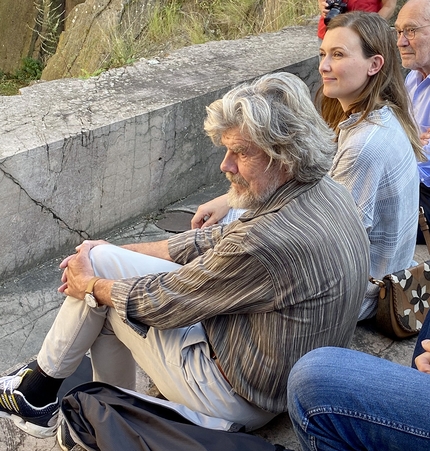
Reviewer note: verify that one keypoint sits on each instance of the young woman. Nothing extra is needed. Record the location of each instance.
(363, 98)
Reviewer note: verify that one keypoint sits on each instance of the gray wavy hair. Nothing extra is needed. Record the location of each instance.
(276, 113)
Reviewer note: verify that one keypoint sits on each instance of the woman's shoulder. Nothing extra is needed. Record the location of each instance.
(381, 118)
(376, 137)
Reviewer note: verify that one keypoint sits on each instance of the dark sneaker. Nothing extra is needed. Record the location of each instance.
(65, 440)
(37, 421)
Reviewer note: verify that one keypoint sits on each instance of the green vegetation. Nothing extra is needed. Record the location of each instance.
(48, 26)
(29, 71)
(180, 23)
(171, 24)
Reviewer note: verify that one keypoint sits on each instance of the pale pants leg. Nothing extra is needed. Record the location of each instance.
(177, 360)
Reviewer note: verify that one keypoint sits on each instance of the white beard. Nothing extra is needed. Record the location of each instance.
(249, 200)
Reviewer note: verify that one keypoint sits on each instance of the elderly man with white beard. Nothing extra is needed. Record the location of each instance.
(218, 316)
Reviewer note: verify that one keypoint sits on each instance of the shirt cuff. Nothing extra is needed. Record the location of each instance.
(182, 247)
(120, 296)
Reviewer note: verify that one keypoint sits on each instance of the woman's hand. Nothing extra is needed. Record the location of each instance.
(210, 212)
(423, 360)
(322, 4)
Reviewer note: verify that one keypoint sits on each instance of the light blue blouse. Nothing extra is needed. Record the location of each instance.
(376, 163)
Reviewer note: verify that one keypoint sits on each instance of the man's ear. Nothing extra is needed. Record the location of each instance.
(377, 61)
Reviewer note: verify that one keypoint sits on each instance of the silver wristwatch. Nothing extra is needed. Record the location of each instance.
(89, 293)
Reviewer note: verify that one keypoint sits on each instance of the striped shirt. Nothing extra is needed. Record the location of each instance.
(269, 287)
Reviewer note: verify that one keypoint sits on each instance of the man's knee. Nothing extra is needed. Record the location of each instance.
(100, 252)
(107, 260)
(316, 363)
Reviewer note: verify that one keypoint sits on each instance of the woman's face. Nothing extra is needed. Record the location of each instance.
(344, 69)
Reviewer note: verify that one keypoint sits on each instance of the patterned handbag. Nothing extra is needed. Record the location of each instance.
(404, 296)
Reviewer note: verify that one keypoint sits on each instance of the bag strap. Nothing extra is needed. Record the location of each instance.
(424, 227)
(426, 233)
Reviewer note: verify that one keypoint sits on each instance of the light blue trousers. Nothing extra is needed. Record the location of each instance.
(340, 399)
(177, 360)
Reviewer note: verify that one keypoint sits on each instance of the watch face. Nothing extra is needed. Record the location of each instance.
(91, 300)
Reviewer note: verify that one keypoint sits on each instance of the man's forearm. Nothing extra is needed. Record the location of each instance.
(103, 287)
(388, 8)
(102, 292)
(155, 249)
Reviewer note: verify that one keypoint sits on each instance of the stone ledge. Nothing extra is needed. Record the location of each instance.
(81, 157)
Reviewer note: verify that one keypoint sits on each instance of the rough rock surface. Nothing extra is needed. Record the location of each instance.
(16, 34)
(17, 29)
(89, 36)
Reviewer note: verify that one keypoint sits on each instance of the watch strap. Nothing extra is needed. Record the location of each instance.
(91, 283)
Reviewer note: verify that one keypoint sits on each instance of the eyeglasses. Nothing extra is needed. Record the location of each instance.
(409, 33)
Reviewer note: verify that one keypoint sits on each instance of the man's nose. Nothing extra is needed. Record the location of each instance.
(402, 41)
(228, 164)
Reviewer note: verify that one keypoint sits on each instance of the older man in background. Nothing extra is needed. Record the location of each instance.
(413, 40)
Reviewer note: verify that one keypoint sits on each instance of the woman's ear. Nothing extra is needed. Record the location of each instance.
(377, 61)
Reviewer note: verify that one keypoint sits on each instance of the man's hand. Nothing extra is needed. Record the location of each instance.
(92, 243)
(210, 213)
(423, 360)
(78, 270)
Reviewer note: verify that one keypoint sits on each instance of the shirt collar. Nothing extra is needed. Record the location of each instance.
(375, 115)
(282, 196)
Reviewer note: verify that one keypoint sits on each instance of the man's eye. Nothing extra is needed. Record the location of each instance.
(240, 151)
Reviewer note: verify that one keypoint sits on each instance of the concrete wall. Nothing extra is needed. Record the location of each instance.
(81, 157)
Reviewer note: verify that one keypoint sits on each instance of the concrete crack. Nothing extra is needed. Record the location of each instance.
(383, 351)
(84, 235)
(29, 325)
(28, 332)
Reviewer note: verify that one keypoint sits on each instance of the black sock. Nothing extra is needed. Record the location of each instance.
(39, 389)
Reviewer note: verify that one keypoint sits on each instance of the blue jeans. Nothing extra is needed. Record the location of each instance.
(340, 399)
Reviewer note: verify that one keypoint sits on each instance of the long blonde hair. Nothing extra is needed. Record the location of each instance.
(386, 87)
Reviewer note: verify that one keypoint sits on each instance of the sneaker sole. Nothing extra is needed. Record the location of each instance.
(60, 441)
(30, 428)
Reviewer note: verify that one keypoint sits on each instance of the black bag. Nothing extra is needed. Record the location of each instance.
(102, 417)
